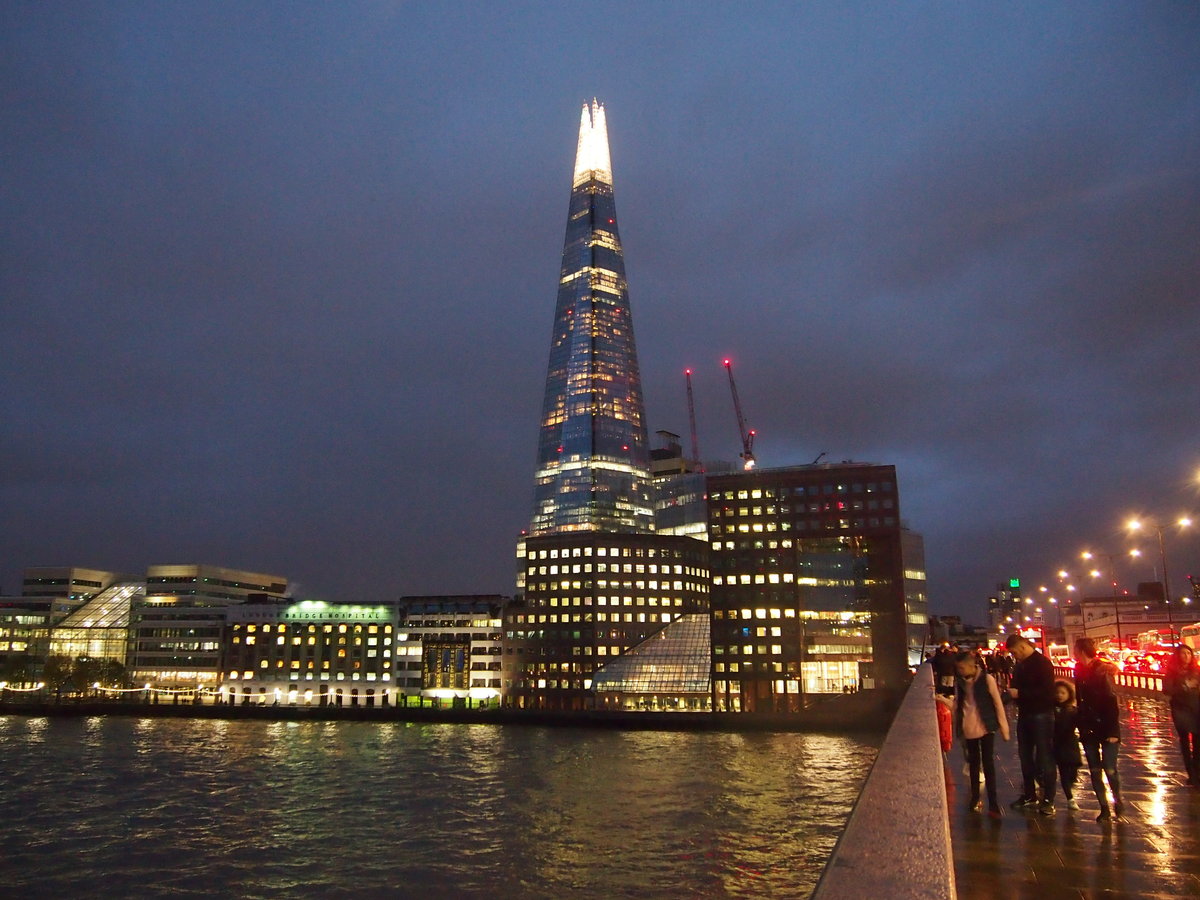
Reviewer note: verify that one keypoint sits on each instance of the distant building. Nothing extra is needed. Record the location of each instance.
(450, 647)
(670, 671)
(593, 463)
(176, 628)
(815, 585)
(49, 594)
(811, 592)
(1006, 608)
(588, 599)
(100, 628)
(596, 579)
(680, 489)
(56, 591)
(310, 652)
(1118, 621)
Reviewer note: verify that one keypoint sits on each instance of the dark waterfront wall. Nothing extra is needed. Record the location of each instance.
(866, 712)
(897, 842)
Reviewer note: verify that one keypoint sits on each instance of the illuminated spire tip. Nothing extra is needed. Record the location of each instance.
(591, 157)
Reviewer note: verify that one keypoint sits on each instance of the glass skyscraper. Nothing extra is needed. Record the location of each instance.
(593, 467)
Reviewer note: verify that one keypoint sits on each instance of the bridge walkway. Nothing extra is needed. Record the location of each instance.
(1153, 850)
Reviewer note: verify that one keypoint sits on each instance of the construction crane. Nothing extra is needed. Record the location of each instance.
(692, 421)
(747, 453)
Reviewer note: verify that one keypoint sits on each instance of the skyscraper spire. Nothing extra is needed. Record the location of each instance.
(593, 470)
(591, 156)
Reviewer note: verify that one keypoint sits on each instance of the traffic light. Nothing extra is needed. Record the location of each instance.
(1195, 587)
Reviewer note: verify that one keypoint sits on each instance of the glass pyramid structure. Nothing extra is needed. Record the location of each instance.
(593, 466)
(674, 662)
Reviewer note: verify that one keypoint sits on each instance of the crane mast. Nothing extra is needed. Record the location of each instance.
(747, 453)
(692, 421)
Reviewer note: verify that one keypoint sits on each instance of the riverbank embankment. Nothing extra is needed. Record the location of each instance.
(865, 711)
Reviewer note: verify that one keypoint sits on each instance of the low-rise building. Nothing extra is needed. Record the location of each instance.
(413, 650)
(176, 628)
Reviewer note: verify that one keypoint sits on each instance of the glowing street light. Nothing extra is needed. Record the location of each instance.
(1112, 570)
(1135, 525)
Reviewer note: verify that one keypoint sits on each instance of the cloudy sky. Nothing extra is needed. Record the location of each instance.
(277, 279)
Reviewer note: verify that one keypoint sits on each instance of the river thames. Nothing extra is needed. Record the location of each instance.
(184, 807)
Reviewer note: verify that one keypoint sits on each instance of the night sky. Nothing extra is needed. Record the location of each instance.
(278, 279)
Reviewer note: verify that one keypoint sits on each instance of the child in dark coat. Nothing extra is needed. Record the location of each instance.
(1067, 754)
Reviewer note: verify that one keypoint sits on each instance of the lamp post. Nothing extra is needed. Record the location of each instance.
(1112, 571)
(1183, 522)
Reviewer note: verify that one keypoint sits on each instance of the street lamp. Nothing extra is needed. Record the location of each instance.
(1183, 522)
(1112, 571)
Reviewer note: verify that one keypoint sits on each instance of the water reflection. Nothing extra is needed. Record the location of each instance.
(193, 807)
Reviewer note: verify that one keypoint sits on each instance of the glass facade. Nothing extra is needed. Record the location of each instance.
(99, 628)
(589, 598)
(808, 591)
(593, 470)
(667, 671)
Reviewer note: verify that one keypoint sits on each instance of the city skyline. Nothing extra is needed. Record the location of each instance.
(276, 286)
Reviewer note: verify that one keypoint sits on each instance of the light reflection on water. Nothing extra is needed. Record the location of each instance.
(284, 809)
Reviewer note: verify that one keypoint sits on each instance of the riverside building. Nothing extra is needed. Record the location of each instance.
(414, 650)
(590, 598)
(811, 591)
(176, 628)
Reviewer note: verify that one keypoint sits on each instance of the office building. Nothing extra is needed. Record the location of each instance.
(588, 599)
(808, 584)
(49, 594)
(176, 628)
(57, 591)
(443, 649)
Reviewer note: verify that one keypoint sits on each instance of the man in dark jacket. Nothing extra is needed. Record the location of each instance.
(1032, 686)
(943, 670)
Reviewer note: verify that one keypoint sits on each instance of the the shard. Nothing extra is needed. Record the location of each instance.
(593, 470)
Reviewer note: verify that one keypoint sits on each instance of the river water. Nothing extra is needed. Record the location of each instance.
(123, 807)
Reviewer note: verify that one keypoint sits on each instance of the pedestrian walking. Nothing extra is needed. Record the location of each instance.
(1032, 687)
(978, 716)
(1067, 754)
(1000, 666)
(943, 670)
(1099, 724)
(1181, 683)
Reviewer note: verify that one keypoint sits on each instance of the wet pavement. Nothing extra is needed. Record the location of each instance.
(1152, 850)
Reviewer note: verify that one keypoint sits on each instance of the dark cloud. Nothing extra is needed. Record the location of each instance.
(278, 287)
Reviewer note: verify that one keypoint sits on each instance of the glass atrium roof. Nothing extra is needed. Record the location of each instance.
(108, 609)
(675, 660)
